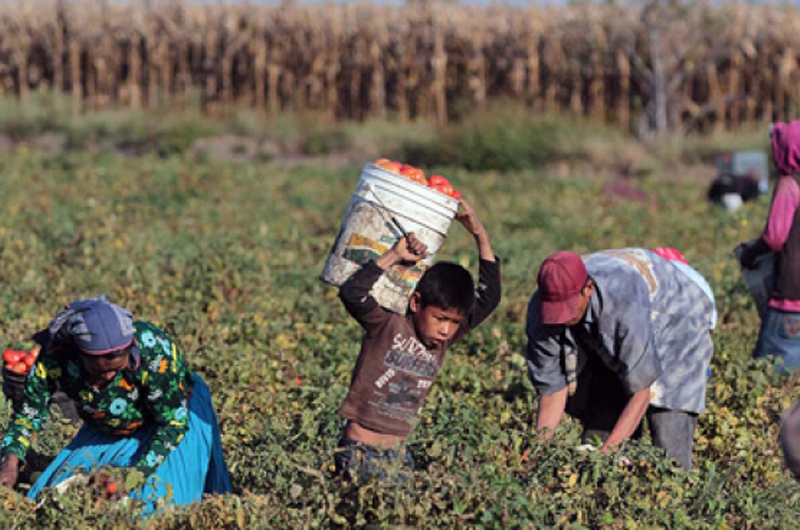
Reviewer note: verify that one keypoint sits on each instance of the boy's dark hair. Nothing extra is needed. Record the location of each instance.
(447, 285)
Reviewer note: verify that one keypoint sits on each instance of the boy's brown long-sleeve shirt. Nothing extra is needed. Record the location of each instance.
(395, 370)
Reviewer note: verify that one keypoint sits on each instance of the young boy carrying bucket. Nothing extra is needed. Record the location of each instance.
(401, 354)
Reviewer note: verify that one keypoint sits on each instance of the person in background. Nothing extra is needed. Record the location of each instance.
(401, 355)
(731, 191)
(141, 406)
(779, 335)
(618, 336)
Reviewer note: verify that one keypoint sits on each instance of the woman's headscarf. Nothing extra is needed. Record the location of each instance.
(786, 147)
(93, 325)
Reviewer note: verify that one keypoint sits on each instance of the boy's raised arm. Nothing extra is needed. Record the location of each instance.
(488, 293)
(355, 292)
(474, 226)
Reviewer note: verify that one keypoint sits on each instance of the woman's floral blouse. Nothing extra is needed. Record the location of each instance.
(154, 390)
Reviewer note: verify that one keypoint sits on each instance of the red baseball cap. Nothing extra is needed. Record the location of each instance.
(561, 278)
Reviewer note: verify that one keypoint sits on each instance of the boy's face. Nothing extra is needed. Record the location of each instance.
(434, 325)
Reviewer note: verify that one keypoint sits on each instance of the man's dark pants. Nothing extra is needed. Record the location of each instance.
(600, 399)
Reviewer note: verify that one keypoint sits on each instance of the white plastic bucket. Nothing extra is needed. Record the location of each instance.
(367, 232)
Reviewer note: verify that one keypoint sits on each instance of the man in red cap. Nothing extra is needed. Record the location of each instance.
(617, 336)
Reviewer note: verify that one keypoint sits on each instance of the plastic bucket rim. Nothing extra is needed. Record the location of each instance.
(429, 193)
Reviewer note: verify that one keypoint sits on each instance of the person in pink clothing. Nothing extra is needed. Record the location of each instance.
(779, 335)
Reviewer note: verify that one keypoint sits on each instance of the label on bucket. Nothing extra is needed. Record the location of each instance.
(360, 249)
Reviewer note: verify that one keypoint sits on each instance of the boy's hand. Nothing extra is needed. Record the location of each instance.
(405, 250)
(474, 226)
(467, 217)
(417, 248)
(410, 249)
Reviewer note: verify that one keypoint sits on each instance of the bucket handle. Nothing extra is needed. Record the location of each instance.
(384, 210)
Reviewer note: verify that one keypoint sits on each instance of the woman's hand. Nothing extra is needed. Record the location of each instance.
(750, 253)
(13, 385)
(9, 470)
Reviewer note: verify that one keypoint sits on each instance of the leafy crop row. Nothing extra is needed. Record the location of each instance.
(227, 258)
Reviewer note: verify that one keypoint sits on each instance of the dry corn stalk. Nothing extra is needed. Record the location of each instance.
(712, 67)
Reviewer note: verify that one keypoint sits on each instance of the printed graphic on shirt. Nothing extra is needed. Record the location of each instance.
(404, 392)
(639, 261)
(402, 387)
(387, 375)
(412, 364)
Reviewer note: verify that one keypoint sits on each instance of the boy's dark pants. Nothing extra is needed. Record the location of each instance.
(367, 461)
(600, 399)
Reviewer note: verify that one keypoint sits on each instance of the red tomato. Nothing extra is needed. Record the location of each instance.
(35, 351)
(390, 165)
(413, 173)
(111, 488)
(29, 360)
(437, 180)
(19, 368)
(447, 189)
(456, 194)
(12, 356)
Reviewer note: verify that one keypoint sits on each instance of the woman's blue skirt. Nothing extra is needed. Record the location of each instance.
(195, 467)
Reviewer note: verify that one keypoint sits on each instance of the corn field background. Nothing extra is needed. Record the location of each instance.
(650, 68)
(193, 163)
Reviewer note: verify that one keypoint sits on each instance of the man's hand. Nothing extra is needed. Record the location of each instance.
(9, 470)
(410, 250)
(629, 420)
(551, 409)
